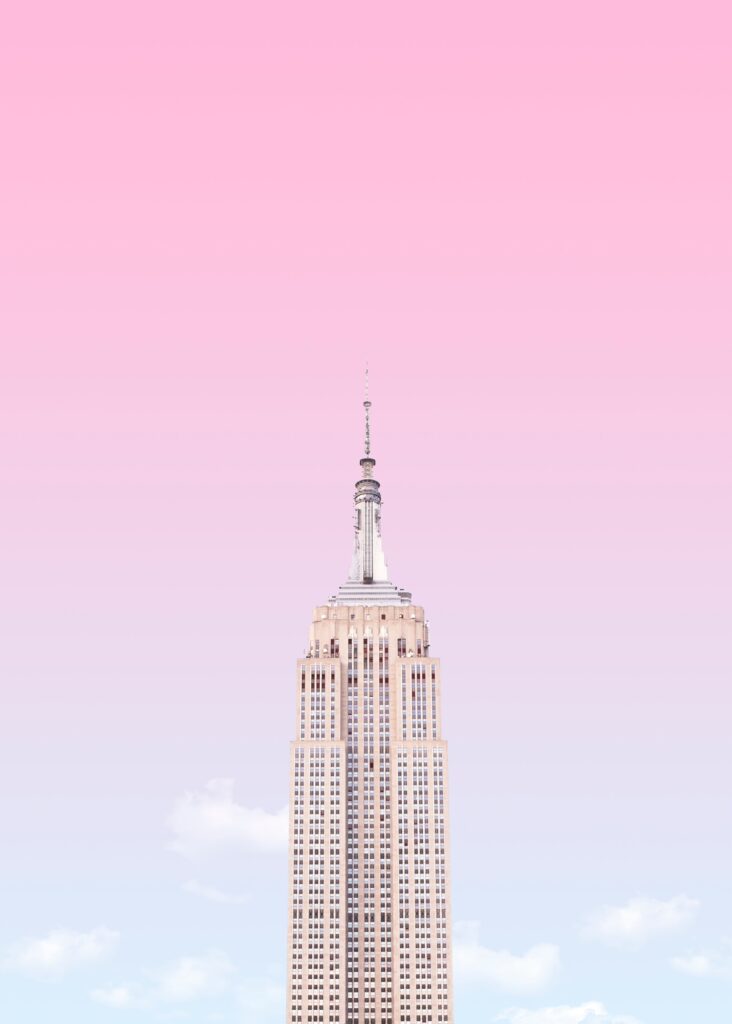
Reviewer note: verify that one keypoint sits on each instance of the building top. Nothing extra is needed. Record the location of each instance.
(368, 581)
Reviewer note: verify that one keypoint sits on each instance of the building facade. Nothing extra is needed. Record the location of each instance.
(369, 892)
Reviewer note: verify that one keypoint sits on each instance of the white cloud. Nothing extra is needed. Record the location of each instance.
(640, 919)
(587, 1013)
(118, 996)
(708, 964)
(195, 977)
(211, 821)
(527, 973)
(209, 892)
(59, 952)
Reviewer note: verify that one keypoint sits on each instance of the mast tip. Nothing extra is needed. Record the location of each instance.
(367, 406)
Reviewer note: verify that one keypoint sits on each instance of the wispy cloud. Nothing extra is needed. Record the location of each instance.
(59, 952)
(209, 892)
(211, 821)
(186, 980)
(195, 979)
(706, 964)
(119, 997)
(639, 920)
(587, 1013)
(528, 972)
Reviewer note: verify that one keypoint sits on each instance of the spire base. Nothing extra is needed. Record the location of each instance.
(381, 592)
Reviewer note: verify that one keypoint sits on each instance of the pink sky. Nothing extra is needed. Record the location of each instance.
(210, 219)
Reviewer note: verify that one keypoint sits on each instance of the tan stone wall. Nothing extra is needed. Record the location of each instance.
(391, 774)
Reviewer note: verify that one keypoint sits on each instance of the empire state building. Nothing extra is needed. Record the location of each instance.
(369, 891)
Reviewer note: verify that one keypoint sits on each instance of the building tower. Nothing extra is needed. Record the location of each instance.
(369, 895)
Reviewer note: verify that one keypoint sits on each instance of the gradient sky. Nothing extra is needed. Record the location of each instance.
(211, 216)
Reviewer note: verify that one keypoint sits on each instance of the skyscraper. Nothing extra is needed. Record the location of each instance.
(369, 899)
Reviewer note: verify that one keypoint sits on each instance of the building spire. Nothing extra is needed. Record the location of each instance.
(368, 581)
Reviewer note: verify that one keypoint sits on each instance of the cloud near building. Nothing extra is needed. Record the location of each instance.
(587, 1013)
(529, 972)
(196, 979)
(59, 952)
(706, 964)
(639, 920)
(211, 822)
(213, 894)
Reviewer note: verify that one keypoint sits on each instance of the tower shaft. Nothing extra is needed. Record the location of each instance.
(369, 935)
